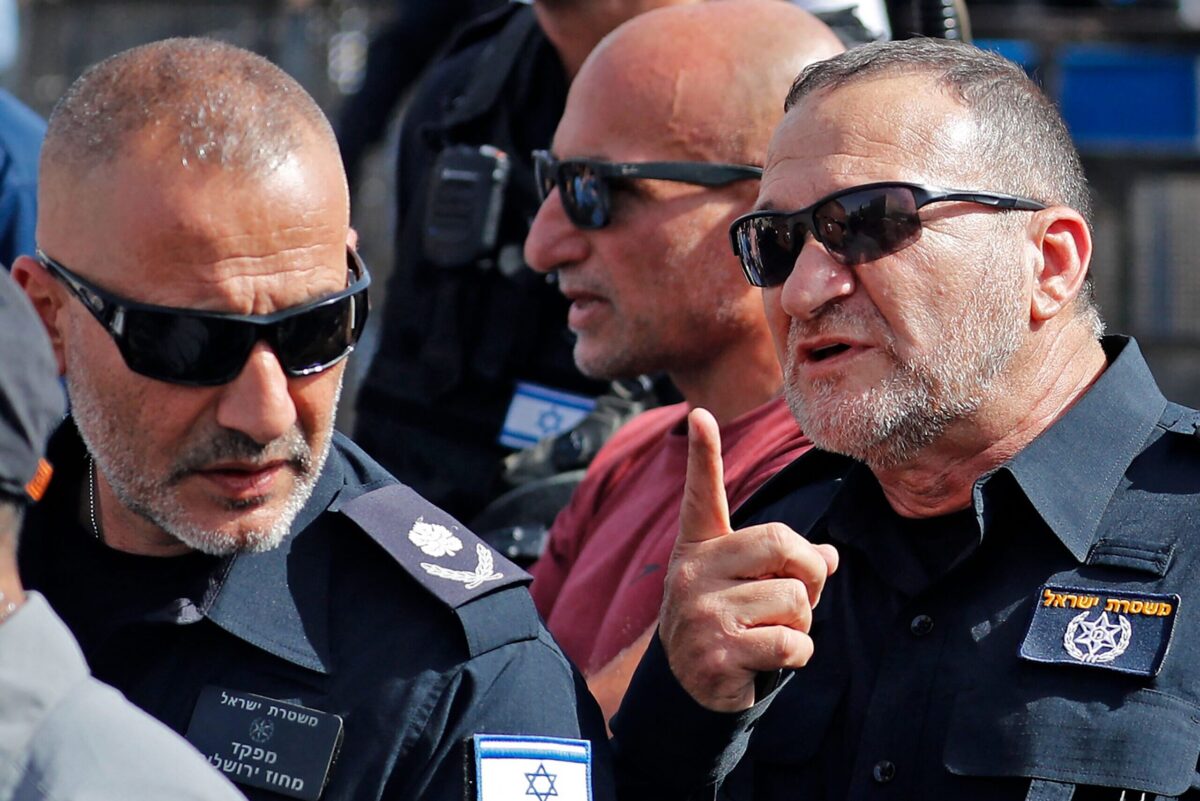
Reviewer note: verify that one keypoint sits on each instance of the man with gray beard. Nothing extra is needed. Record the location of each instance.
(236, 568)
(999, 518)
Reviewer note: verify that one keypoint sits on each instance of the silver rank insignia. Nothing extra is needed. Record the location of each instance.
(435, 539)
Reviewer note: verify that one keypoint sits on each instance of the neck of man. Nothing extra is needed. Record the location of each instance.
(1041, 387)
(575, 28)
(120, 528)
(10, 584)
(732, 382)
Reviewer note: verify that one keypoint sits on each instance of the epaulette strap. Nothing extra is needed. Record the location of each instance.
(492, 69)
(1180, 419)
(489, 623)
(445, 557)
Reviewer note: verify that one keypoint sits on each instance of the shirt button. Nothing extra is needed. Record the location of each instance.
(884, 771)
(921, 625)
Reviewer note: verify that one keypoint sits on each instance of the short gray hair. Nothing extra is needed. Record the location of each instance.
(1023, 143)
(229, 108)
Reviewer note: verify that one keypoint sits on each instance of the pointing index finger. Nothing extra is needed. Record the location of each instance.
(704, 512)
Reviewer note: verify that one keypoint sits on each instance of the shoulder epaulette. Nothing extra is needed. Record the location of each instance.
(492, 69)
(1180, 420)
(482, 27)
(451, 563)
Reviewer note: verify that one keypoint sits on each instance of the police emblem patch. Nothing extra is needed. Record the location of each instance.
(1115, 630)
(1099, 640)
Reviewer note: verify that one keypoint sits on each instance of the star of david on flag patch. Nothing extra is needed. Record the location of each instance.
(1128, 632)
(537, 412)
(511, 768)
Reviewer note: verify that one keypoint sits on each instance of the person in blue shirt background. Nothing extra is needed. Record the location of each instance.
(21, 132)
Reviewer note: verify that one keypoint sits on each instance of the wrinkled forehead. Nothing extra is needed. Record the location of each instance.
(889, 129)
(159, 231)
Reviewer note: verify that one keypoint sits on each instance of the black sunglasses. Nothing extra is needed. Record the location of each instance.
(199, 348)
(856, 225)
(583, 184)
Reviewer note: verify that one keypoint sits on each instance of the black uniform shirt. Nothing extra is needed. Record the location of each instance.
(1056, 642)
(455, 340)
(339, 618)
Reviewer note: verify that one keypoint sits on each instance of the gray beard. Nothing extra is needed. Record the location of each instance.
(888, 424)
(153, 498)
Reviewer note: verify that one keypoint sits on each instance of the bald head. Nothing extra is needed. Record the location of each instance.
(205, 103)
(715, 73)
(658, 288)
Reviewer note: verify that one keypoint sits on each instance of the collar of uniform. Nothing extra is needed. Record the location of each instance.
(278, 600)
(39, 664)
(1069, 473)
(861, 517)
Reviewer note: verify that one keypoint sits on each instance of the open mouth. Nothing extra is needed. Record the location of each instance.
(827, 352)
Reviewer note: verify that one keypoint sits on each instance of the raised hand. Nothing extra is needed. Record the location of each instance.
(736, 602)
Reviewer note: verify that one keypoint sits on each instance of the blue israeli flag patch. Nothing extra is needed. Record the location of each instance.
(513, 768)
(537, 412)
(1126, 632)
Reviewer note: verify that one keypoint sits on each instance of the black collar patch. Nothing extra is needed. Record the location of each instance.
(1127, 632)
(260, 742)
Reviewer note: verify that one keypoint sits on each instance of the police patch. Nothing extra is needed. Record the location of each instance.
(508, 768)
(1128, 632)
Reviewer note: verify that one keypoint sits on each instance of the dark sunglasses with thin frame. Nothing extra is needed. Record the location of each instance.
(199, 348)
(584, 185)
(855, 225)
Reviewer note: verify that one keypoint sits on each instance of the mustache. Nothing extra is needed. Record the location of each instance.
(227, 445)
(837, 320)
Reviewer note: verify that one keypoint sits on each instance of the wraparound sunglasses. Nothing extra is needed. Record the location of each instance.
(855, 225)
(584, 184)
(199, 348)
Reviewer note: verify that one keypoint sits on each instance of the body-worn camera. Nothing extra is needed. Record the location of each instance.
(466, 198)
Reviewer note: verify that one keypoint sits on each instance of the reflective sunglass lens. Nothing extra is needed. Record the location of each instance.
(854, 228)
(582, 192)
(182, 349)
(584, 195)
(768, 246)
(203, 351)
(860, 227)
(780, 243)
(315, 339)
(196, 348)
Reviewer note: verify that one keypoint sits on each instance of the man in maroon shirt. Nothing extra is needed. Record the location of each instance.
(655, 155)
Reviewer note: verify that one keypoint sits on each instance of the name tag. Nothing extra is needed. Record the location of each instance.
(1127, 632)
(507, 768)
(537, 412)
(260, 742)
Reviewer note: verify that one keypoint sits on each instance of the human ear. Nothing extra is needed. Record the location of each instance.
(47, 298)
(1062, 245)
